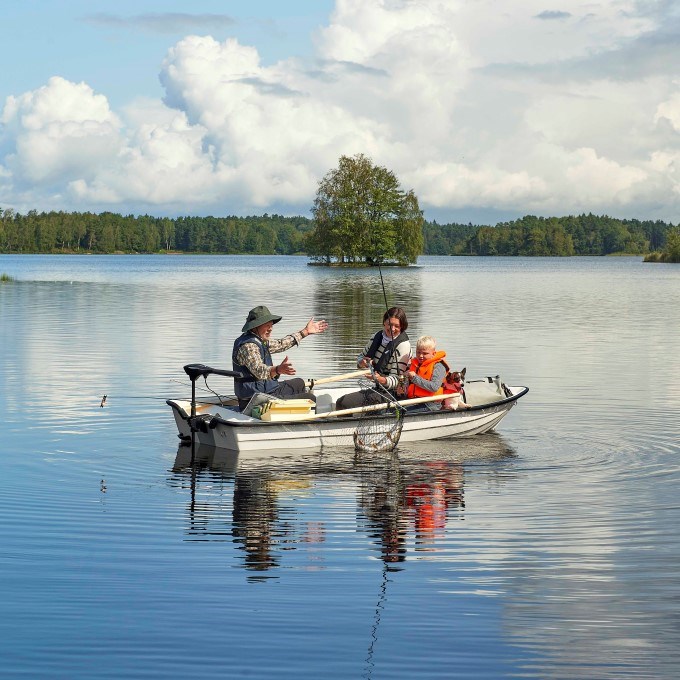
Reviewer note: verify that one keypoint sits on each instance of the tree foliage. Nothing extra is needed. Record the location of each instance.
(361, 215)
(556, 236)
(671, 251)
(62, 232)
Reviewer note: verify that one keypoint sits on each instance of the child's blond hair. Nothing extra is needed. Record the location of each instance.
(425, 341)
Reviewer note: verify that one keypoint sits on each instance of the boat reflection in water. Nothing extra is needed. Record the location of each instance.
(249, 501)
(286, 500)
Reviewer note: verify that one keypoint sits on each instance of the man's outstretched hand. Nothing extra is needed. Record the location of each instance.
(314, 327)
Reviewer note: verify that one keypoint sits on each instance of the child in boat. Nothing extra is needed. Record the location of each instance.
(426, 372)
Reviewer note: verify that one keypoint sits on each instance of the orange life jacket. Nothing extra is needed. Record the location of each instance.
(424, 371)
(452, 388)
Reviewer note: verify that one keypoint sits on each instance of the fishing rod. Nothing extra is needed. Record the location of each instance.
(382, 283)
(207, 388)
(392, 336)
(106, 399)
(377, 433)
(188, 384)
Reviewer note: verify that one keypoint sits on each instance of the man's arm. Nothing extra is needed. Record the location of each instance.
(276, 346)
(312, 328)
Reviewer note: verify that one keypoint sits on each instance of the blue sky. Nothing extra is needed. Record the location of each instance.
(117, 47)
(487, 110)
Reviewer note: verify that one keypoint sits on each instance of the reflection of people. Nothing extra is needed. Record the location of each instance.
(384, 504)
(389, 353)
(257, 526)
(428, 502)
(430, 495)
(252, 356)
(255, 511)
(427, 371)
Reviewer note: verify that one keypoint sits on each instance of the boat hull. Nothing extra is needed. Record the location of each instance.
(222, 428)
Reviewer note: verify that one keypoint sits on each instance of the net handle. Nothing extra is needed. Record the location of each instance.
(375, 407)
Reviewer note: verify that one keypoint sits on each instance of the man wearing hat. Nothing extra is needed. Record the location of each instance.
(252, 357)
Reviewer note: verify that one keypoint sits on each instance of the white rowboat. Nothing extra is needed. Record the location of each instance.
(218, 423)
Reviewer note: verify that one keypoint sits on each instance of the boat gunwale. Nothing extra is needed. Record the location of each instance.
(218, 420)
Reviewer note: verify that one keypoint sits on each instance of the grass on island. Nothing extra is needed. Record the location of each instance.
(662, 257)
(6, 278)
(671, 253)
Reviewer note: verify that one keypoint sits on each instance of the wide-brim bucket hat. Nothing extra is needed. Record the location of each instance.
(257, 316)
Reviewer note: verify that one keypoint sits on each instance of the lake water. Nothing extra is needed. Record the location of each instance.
(549, 549)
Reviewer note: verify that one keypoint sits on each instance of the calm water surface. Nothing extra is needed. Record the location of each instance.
(550, 549)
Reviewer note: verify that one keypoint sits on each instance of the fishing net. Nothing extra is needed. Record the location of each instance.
(378, 429)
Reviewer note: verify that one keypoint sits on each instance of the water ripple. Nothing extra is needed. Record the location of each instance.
(547, 549)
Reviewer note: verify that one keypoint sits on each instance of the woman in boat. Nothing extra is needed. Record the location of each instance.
(427, 372)
(252, 357)
(388, 353)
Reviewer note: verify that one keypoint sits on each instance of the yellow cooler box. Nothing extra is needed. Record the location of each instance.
(286, 409)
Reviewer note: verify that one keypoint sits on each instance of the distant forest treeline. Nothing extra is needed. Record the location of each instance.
(56, 232)
(63, 232)
(573, 235)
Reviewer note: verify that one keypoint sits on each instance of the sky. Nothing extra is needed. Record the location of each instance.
(487, 109)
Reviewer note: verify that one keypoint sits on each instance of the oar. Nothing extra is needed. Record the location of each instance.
(335, 378)
(375, 407)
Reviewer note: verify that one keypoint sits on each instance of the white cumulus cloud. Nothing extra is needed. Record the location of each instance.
(670, 110)
(515, 107)
(58, 131)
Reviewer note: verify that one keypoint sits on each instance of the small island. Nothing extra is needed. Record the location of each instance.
(362, 217)
(671, 253)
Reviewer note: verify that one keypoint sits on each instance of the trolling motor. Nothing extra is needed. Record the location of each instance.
(194, 371)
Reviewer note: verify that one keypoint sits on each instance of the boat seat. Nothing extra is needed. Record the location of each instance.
(324, 403)
(486, 391)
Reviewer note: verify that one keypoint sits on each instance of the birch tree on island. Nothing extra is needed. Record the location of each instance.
(362, 216)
